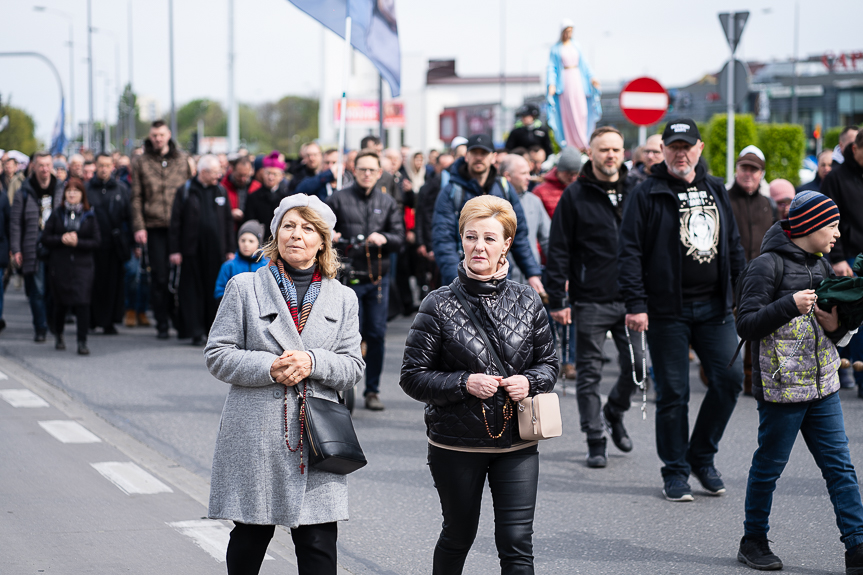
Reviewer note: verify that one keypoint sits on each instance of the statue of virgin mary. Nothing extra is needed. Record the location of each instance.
(573, 92)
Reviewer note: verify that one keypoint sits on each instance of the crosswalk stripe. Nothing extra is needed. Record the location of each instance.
(211, 536)
(22, 398)
(130, 478)
(68, 431)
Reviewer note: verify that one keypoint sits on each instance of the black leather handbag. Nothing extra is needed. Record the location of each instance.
(330, 437)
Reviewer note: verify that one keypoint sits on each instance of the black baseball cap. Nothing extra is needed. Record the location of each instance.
(683, 130)
(480, 141)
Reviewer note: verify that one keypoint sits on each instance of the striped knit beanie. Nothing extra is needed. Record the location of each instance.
(809, 212)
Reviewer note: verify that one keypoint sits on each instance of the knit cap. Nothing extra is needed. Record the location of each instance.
(809, 212)
(569, 160)
(253, 227)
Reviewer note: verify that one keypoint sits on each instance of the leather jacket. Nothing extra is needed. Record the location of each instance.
(444, 348)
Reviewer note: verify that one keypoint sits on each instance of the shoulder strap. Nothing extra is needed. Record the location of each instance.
(498, 363)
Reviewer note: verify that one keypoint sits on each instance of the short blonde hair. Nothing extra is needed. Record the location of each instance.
(482, 207)
(328, 259)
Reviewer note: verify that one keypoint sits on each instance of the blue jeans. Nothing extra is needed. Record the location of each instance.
(137, 286)
(34, 287)
(823, 430)
(373, 328)
(594, 320)
(711, 332)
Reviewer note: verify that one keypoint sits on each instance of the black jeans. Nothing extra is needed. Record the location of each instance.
(82, 319)
(459, 478)
(315, 546)
(593, 321)
(161, 298)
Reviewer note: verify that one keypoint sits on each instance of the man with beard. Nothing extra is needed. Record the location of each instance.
(583, 251)
(679, 255)
(201, 238)
(38, 196)
(110, 201)
(651, 154)
(473, 176)
(156, 175)
(261, 205)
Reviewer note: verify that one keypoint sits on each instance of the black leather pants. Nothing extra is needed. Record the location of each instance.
(459, 479)
(315, 546)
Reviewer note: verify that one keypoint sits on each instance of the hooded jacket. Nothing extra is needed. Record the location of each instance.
(583, 244)
(650, 252)
(767, 316)
(24, 221)
(443, 349)
(445, 236)
(844, 185)
(155, 179)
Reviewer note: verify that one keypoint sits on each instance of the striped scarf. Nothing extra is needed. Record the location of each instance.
(289, 292)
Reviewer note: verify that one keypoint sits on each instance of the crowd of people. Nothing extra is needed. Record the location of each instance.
(551, 251)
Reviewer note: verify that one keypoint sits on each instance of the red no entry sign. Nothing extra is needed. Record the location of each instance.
(643, 101)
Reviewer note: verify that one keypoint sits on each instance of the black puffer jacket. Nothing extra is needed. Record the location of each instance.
(444, 348)
(844, 185)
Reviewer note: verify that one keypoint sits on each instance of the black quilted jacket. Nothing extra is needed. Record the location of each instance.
(444, 348)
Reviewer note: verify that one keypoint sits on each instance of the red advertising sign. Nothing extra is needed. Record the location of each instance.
(643, 101)
(366, 112)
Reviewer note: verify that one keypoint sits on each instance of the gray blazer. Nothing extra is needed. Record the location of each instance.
(256, 479)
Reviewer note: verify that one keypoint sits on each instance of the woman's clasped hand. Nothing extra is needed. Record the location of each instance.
(291, 367)
(484, 386)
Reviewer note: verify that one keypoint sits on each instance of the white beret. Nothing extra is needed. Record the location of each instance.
(302, 201)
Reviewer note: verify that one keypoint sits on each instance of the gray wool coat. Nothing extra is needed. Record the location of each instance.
(255, 478)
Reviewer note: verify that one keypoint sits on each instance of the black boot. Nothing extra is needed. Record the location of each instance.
(614, 425)
(854, 561)
(59, 344)
(597, 454)
(757, 554)
(82, 347)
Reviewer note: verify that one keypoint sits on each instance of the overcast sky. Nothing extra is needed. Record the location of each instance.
(279, 48)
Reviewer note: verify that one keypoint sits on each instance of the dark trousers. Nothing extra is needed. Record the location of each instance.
(107, 300)
(160, 297)
(197, 301)
(823, 429)
(711, 332)
(373, 328)
(82, 319)
(315, 546)
(593, 321)
(36, 289)
(459, 479)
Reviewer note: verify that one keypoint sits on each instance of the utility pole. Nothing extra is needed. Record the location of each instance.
(88, 143)
(131, 116)
(233, 111)
(72, 127)
(171, 52)
(794, 65)
(733, 24)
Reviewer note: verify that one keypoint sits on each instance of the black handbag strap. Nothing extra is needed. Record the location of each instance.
(498, 363)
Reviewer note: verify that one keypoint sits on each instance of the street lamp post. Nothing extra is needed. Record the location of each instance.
(72, 127)
(233, 111)
(90, 134)
(131, 116)
(116, 71)
(171, 50)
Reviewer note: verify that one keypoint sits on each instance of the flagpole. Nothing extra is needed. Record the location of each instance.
(344, 109)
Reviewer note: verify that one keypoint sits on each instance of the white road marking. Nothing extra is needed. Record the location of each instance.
(68, 431)
(211, 536)
(3, 376)
(22, 398)
(130, 478)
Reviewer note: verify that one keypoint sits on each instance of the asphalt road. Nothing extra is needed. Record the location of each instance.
(156, 398)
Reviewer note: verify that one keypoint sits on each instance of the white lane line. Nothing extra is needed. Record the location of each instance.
(130, 478)
(3, 376)
(68, 431)
(22, 398)
(211, 536)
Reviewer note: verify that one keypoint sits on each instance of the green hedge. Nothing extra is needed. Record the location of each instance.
(831, 137)
(745, 133)
(784, 146)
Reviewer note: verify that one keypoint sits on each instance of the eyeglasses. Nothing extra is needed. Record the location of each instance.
(366, 170)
